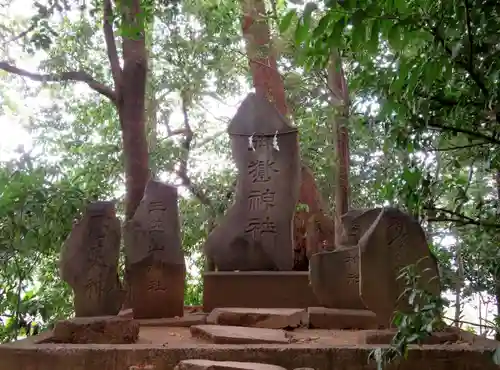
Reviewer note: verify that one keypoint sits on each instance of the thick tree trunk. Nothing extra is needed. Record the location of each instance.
(262, 55)
(340, 100)
(131, 108)
(267, 80)
(151, 104)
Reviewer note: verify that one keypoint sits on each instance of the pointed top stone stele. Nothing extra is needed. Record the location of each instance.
(256, 115)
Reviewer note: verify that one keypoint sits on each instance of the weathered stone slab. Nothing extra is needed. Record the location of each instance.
(184, 321)
(99, 330)
(342, 319)
(385, 337)
(195, 364)
(256, 232)
(155, 260)
(397, 241)
(89, 261)
(270, 318)
(238, 335)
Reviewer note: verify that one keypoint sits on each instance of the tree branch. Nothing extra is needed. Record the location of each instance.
(476, 134)
(469, 34)
(473, 74)
(109, 37)
(183, 165)
(79, 76)
(22, 34)
(457, 147)
(458, 218)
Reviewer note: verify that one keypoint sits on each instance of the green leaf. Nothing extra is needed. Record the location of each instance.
(358, 35)
(413, 80)
(336, 37)
(302, 30)
(373, 42)
(286, 21)
(323, 24)
(394, 36)
(358, 17)
(432, 71)
(496, 356)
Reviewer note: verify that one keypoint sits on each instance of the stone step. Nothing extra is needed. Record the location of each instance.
(270, 318)
(195, 364)
(239, 335)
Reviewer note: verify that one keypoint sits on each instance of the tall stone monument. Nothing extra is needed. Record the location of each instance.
(256, 232)
(89, 261)
(156, 268)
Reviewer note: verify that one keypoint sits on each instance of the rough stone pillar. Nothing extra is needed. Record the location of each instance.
(89, 261)
(156, 268)
(256, 233)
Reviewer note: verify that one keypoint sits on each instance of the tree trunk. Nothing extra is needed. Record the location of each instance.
(268, 81)
(151, 104)
(497, 277)
(340, 101)
(131, 108)
(262, 54)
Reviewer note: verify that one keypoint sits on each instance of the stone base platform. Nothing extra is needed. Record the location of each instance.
(257, 289)
(163, 347)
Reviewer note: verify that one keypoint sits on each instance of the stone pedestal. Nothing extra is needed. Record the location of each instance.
(257, 289)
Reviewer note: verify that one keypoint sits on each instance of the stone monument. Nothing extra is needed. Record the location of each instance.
(363, 271)
(89, 261)
(256, 232)
(250, 253)
(155, 268)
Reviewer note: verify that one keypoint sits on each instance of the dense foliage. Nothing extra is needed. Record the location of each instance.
(424, 125)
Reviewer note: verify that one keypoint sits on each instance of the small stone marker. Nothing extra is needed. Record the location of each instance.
(98, 330)
(270, 318)
(89, 261)
(332, 318)
(256, 232)
(196, 364)
(155, 260)
(239, 335)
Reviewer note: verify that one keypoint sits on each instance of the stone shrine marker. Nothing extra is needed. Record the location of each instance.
(89, 261)
(156, 268)
(256, 232)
